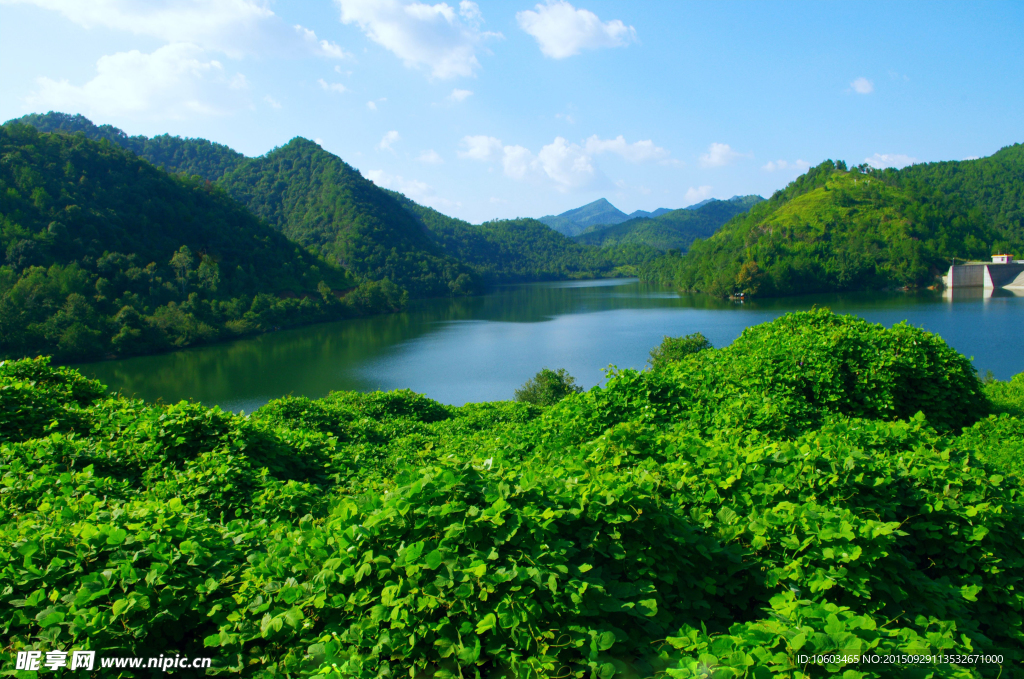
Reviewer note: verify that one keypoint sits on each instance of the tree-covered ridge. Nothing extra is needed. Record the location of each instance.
(674, 230)
(316, 199)
(992, 187)
(809, 490)
(107, 255)
(839, 229)
(207, 159)
(509, 250)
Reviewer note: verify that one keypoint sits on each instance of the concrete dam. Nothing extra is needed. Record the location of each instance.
(1001, 273)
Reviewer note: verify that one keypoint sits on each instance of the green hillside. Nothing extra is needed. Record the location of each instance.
(107, 255)
(319, 201)
(200, 157)
(840, 229)
(316, 199)
(676, 229)
(821, 487)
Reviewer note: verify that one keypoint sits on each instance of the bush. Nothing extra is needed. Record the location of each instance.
(715, 518)
(673, 349)
(548, 387)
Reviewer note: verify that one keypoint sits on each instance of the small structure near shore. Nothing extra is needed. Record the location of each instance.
(1002, 272)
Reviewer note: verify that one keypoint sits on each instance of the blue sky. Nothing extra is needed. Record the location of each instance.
(502, 109)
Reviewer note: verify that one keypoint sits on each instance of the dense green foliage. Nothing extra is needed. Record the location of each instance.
(548, 387)
(105, 254)
(673, 349)
(839, 229)
(206, 159)
(805, 490)
(674, 230)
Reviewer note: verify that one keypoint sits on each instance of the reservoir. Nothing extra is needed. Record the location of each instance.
(483, 348)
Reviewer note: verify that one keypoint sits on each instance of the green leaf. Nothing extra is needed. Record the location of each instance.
(117, 536)
(434, 559)
(487, 623)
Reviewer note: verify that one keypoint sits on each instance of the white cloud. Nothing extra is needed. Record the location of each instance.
(563, 164)
(775, 165)
(568, 165)
(321, 47)
(331, 87)
(372, 105)
(566, 117)
(561, 30)
(319, 141)
(460, 95)
(862, 86)
(637, 152)
(387, 140)
(421, 35)
(897, 160)
(430, 157)
(419, 191)
(274, 103)
(972, 157)
(173, 82)
(233, 27)
(696, 195)
(719, 155)
(480, 147)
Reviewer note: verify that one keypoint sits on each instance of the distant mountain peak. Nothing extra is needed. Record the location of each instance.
(577, 220)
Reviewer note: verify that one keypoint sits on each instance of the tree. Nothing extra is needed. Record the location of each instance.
(673, 349)
(548, 387)
(181, 262)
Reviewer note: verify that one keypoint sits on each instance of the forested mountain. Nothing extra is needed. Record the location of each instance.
(319, 201)
(205, 158)
(316, 199)
(574, 222)
(836, 228)
(675, 229)
(508, 250)
(106, 254)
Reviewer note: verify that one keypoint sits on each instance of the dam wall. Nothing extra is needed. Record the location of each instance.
(985, 275)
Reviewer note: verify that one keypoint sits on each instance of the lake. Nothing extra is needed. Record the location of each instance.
(483, 348)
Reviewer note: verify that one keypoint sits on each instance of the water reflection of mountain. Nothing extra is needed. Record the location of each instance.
(399, 349)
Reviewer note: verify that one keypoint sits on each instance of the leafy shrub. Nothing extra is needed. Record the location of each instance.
(718, 517)
(548, 387)
(672, 349)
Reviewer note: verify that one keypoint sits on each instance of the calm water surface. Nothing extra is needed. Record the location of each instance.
(483, 348)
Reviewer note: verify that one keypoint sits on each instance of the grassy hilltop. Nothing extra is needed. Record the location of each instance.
(821, 486)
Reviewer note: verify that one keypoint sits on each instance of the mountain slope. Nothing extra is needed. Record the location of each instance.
(574, 222)
(316, 199)
(503, 251)
(93, 241)
(675, 229)
(207, 159)
(839, 229)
